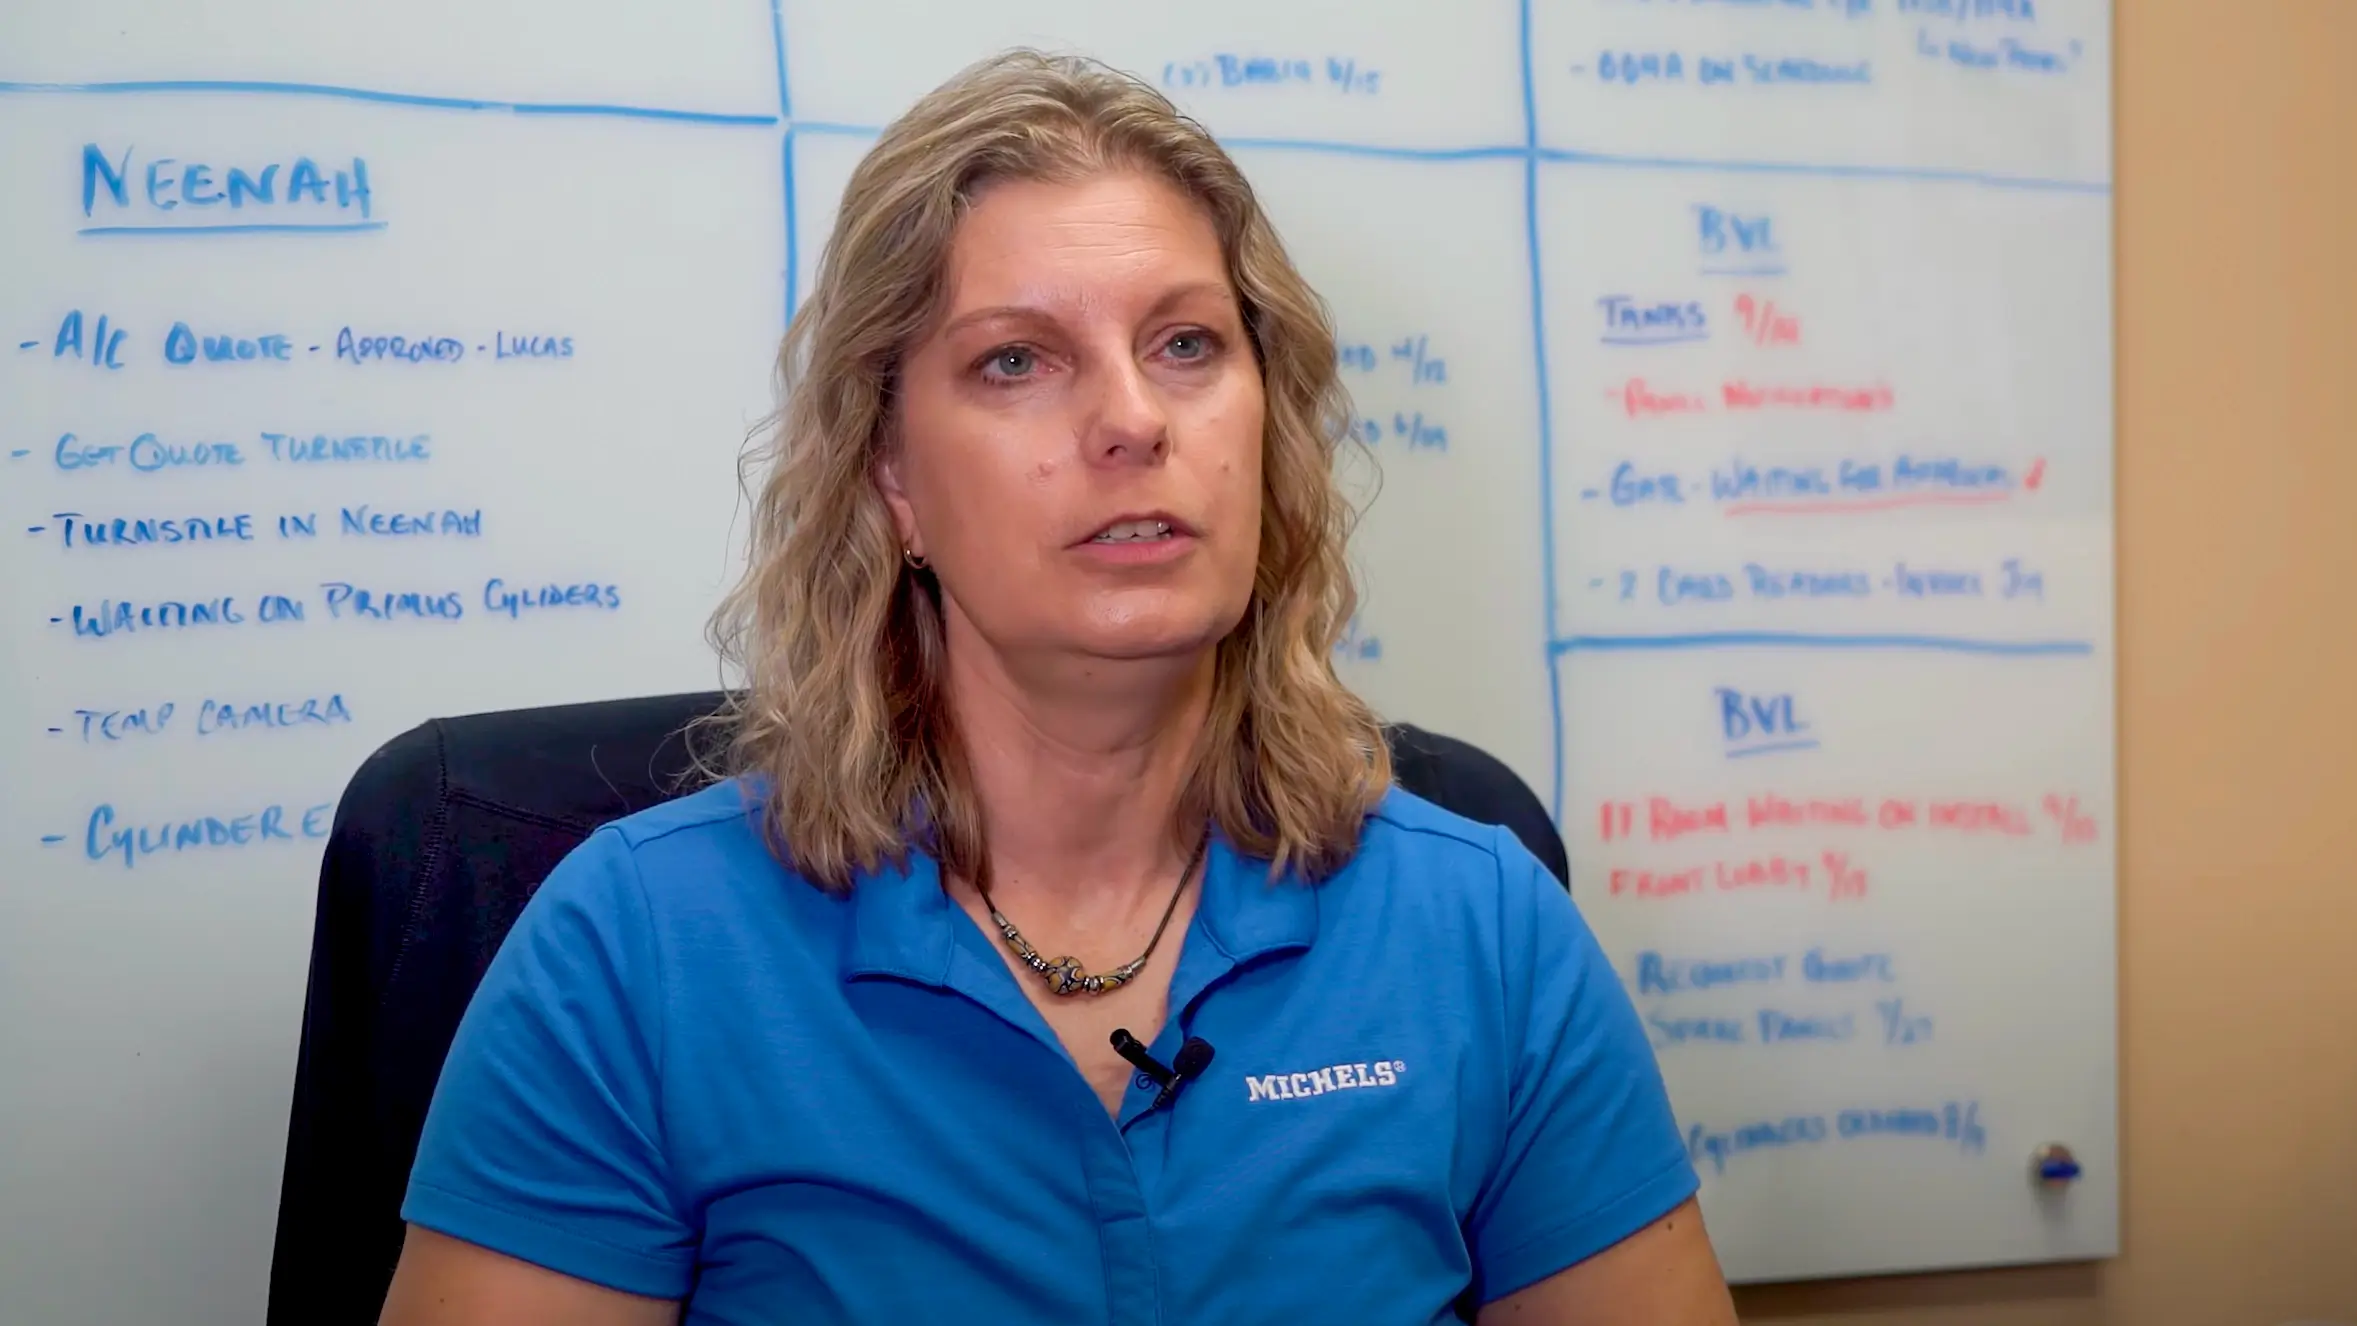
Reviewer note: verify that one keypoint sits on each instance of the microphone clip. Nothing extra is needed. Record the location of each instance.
(1193, 1057)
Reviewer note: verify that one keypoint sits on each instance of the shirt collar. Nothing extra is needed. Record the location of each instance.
(904, 925)
(1247, 914)
(901, 922)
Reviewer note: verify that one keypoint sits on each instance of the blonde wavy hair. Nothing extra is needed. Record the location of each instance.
(842, 721)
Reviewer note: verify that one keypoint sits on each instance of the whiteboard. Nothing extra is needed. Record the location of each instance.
(1736, 384)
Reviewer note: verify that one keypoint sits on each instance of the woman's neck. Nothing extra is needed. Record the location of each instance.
(1079, 775)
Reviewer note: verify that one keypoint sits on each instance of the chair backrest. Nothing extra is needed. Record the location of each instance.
(441, 837)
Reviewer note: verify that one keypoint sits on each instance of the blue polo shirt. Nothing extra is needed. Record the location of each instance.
(691, 1074)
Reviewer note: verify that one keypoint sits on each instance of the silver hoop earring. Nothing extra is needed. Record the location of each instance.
(915, 563)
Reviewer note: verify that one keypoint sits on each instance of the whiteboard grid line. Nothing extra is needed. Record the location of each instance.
(833, 128)
(375, 96)
(1546, 439)
(785, 108)
(1955, 644)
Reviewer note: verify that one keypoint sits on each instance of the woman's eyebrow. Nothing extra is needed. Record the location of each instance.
(1215, 290)
(997, 313)
(1039, 316)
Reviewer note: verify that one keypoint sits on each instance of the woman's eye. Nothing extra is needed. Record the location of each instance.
(1010, 362)
(1188, 345)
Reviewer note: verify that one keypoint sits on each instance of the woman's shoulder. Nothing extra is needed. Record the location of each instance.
(1408, 829)
(720, 816)
(1444, 910)
(694, 851)
(1463, 874)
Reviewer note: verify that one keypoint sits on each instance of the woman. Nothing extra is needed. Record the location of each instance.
(1036, 637)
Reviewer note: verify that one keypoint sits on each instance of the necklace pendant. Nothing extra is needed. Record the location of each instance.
(1064, 976)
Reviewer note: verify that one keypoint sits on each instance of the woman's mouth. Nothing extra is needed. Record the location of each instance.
(1133, 531)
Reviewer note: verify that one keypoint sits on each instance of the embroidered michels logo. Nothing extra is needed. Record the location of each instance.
(1317, 1082)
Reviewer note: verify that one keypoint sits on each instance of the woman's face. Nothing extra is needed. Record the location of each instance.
(1079, 432)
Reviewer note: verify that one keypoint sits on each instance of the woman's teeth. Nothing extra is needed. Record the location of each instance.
(1129, 530)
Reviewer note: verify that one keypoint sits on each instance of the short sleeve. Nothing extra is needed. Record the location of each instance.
(544, 1139)
(1592, 1152)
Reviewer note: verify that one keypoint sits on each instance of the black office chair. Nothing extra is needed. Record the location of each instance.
(441, 837)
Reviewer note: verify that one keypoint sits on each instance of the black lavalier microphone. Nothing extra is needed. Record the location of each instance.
(1193, 1057)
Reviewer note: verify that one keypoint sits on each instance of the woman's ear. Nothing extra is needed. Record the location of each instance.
(886, 472)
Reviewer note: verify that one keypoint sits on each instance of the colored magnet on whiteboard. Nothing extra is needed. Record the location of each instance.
(2052, 1165)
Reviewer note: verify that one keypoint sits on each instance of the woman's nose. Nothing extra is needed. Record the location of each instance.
(1131, 422)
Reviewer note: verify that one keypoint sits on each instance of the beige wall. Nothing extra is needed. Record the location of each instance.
(2237, 388)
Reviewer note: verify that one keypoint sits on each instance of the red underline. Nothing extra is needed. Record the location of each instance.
(1866, 504)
